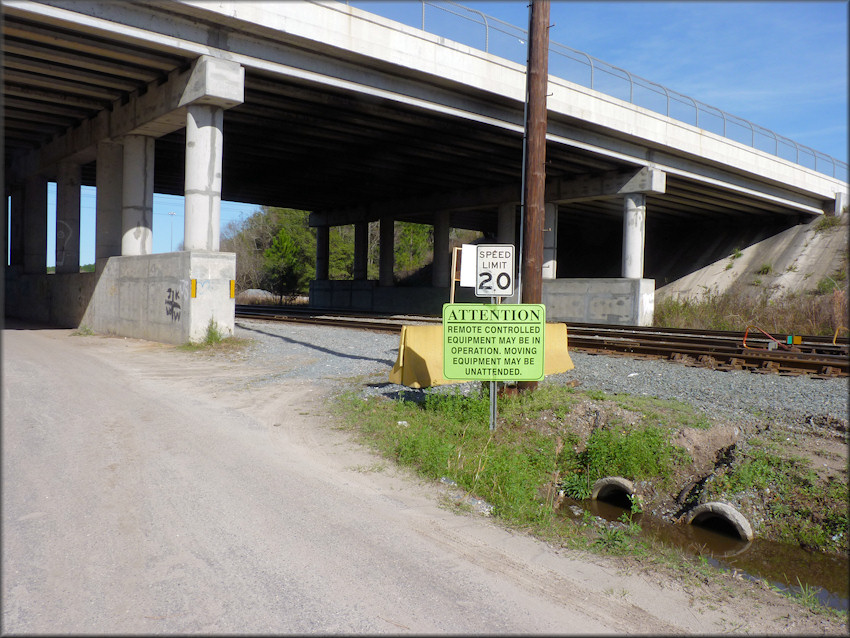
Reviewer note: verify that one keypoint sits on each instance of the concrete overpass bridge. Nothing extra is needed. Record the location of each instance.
(359, 119)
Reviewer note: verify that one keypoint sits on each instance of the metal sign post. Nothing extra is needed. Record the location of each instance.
(494, 267)
(494, 385)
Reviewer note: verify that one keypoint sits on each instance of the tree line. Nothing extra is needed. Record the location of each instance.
(276, 250)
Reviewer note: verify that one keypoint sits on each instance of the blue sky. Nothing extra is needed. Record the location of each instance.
(779, 65)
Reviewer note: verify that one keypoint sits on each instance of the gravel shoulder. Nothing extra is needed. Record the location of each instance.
(228, 441)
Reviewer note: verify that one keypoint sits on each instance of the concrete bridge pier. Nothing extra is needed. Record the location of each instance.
(360, 269)
(137, 196)
(550, 241)
(440, 275)
(323, 252)
(109, 182)
(171, 297)
(35, 224)
(386, 265)
(15, 237)
(68, 188)
(634, 234)
(506, 223)
(204, 137)
(506, 227)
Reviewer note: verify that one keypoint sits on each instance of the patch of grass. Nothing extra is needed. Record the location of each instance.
(825, 286)
(641, 452)
(448, 436)
(597, 395)
(827, 223)
(667, 412)
(799, 507)
(765, 269)
(549, 401)
(789, 313)
(215, 340)
(736, 253)
(83, 331)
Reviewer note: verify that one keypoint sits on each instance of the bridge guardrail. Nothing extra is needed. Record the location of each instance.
(509, 41)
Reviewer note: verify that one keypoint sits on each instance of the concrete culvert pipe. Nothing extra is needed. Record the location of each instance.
(614, 490)
(721, 518)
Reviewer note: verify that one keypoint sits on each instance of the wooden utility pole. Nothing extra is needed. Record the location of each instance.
(534, 182)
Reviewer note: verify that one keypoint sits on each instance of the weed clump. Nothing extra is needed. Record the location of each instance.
(827, 223)
(214, 334)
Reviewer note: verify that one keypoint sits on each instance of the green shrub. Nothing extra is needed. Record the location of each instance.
(576, 486)
(213, 334)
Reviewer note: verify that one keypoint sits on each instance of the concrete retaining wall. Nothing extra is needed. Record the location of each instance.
(627, 302)
(370, 297)
(145, 297)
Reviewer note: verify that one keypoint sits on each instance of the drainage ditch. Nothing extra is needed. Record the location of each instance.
(724, 537)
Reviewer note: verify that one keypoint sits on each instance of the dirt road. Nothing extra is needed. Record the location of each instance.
(139, 497)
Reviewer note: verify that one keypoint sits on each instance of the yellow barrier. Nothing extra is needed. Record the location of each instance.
(420, 355)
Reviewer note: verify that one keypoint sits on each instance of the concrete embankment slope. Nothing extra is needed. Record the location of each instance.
(794, 260)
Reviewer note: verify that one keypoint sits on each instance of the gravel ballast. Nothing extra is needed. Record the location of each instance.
(342, 356)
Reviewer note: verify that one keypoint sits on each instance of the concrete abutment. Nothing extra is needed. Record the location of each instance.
(149, 297)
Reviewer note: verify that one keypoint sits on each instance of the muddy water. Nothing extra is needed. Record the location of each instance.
(779, 564)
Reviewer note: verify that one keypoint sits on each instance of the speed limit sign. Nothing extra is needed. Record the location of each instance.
(494, 270)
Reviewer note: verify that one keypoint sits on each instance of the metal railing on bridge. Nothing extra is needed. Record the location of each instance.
(451, 20)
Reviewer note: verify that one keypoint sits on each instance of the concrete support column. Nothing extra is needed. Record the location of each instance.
(506, 233)
(15, 239)
(442, 257)
(323, 252)
(840, 203)
(386, 268)
(634, 235)
(35, 225)
(204, 125)
(137, 196)
(360, 270)
(68, 217)
(109, 179)
(550, 242)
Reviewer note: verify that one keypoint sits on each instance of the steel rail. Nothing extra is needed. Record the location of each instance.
(715, 349)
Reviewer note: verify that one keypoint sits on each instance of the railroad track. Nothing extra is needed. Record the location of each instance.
(752, 350)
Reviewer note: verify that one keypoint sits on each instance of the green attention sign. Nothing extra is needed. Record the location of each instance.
(496, 342)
